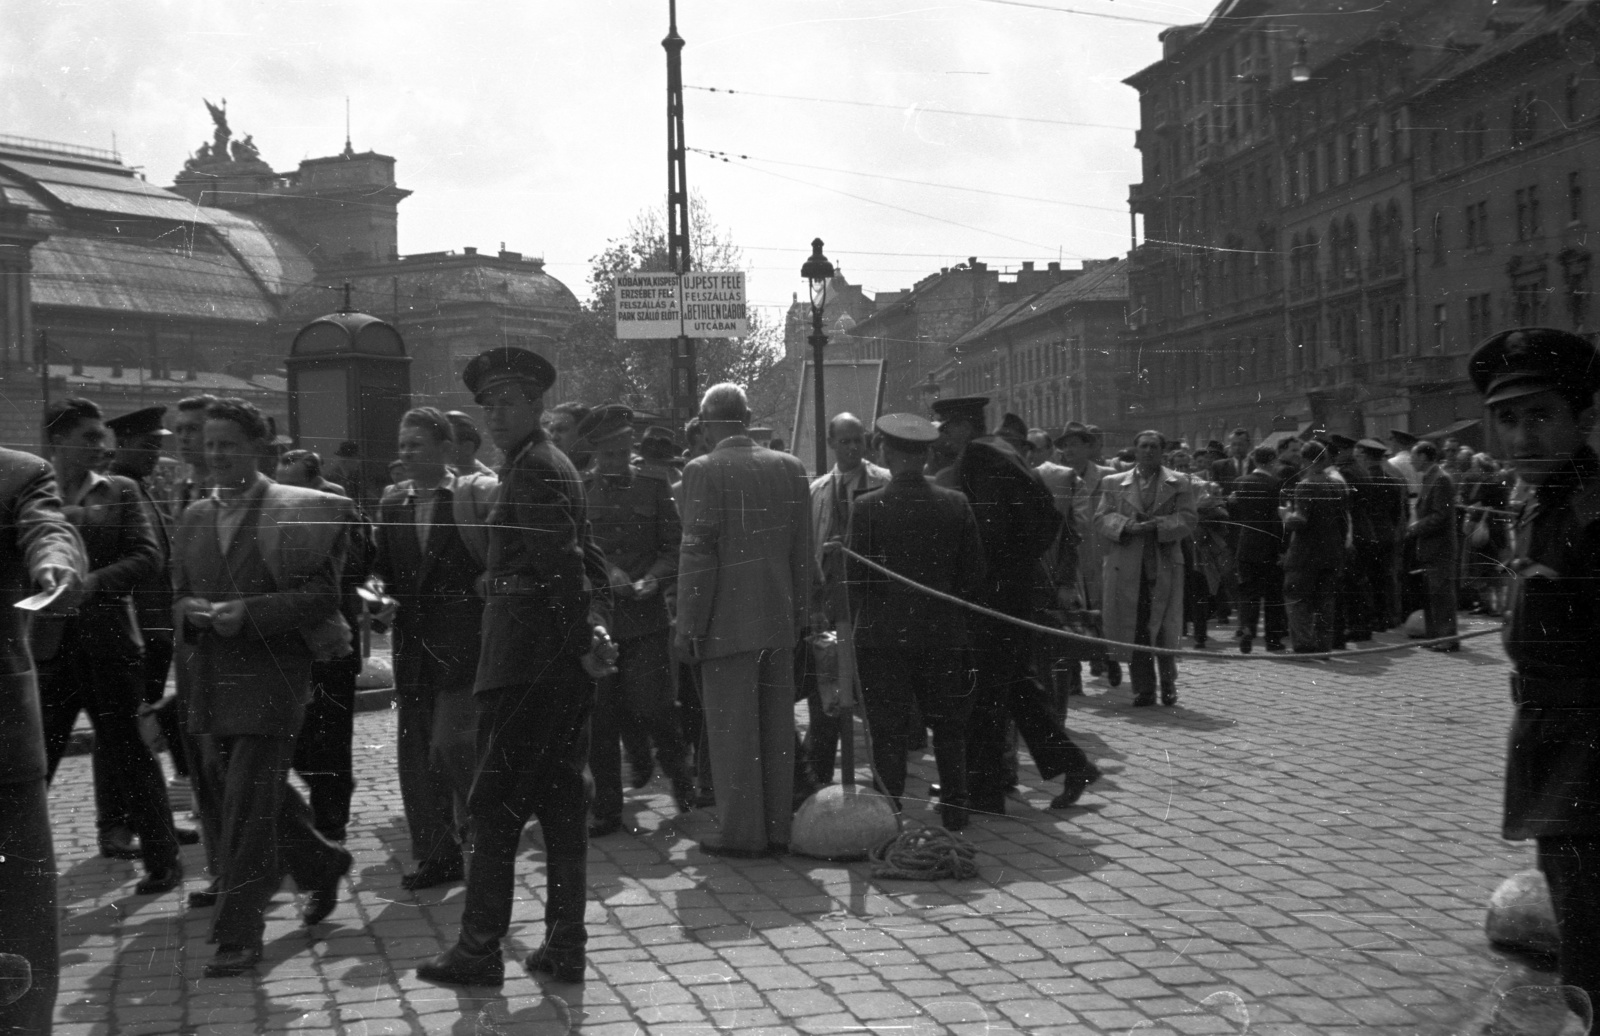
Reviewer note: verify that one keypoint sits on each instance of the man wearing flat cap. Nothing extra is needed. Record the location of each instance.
(545, 618)
(636, 524)
(1539, 385)
(1080, 445)
(910, 645)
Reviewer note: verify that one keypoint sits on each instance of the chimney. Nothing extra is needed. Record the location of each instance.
(1055, 267)
(517, 256)
(1027, 266)
(469, 250)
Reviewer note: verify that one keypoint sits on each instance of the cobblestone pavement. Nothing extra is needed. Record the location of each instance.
(1295, 848)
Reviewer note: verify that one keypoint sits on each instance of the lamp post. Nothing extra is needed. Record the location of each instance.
(818, 272)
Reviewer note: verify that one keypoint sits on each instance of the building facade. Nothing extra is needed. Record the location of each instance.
(1278, 282)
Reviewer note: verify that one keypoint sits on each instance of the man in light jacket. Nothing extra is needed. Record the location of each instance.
(1145, 515)
(744, 578)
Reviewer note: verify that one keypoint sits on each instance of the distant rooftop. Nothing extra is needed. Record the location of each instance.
(56, 148)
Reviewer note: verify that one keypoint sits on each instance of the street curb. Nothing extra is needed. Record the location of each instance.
(374, 699)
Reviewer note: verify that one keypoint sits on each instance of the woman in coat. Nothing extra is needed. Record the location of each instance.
(1145, 515)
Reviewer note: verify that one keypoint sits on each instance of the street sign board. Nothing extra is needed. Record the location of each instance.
(713, 305)
(664, 305)
(648, 305)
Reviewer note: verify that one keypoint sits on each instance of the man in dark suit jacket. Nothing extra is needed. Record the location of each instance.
(1253, 506)
(93, 661)
(1319, 529)
(911, 647)
(1434, 533)
(38, 548)
(433, 567)
(256, 582)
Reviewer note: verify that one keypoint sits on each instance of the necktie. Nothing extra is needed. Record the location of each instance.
(426, 516)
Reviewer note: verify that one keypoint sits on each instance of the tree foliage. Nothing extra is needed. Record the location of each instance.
(598, 367)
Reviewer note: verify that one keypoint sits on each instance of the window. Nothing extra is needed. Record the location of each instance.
(1477, 220)
(1479, 317)
(1528, 218)
(1292, 178)
(1374, 161)
(1436, 238)
(1529, 297)
(1351, 158)
(1474, 137)
(1524, 118)
(1575, 196)
(1441, 317)
(1394, 137)
(1574, 100)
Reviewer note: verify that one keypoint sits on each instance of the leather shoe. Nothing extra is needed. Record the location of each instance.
(1169, 696)
(1072, 788)
(457, 967)
(321, 900)
(1113, 673)
(187, 835)
(1140, 703)
(428, 875)
(160, 879)
(953, 817)
(731, 852)
(599, 828)
(232, 959)
(564, 964)
(1246, 645)
(642, 774)
(207, 897)
(119, 843)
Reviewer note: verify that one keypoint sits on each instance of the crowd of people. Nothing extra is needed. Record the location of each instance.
(603, 595)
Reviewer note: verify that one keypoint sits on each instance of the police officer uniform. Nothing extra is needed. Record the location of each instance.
(636, 523)
(1553, 639)
(534, 695)
(910, 646)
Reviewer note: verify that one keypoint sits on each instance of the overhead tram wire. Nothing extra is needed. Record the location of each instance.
(1080, 11)
(897, 208)
(905, 108)
(728, 156)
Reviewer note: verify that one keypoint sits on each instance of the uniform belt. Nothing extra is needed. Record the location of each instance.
(516, 585)
(1542, 693)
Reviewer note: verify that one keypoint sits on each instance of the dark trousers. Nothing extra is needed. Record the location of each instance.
(1198, 602)
(1261, 596)
(322, 754)
(109, 691)
(1353, 603)
(533, 744)
(1383, 565)
(28, 921)
(820, 747)
(1006, 687)
(1439, 607)
(266, 830)
(897, 685)
(1143, 665)
(174, 718)
(640, 690)
(692, 721)
(1571, 866)
(437, 753)
(1309, 595)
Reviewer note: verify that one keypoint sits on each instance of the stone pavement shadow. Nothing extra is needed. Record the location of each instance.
(1117, 702)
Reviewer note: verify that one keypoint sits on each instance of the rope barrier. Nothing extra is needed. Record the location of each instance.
(925, 854)
(1170, 652)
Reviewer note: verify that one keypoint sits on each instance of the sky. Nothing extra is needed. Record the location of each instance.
(542, 123)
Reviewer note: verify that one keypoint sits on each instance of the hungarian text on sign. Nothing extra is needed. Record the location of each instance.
(648, 305)
(714, 305)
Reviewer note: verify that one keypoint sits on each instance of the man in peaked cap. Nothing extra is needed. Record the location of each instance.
(543, 630)
(959, 419)
(910, 645)
(1539, 385)
(140, 439)
(636, 523)
(1014, 430)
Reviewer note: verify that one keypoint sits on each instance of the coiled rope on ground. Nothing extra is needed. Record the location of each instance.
(924, 854)
(1085, 638)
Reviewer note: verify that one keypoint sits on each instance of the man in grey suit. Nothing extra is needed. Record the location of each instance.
(743, 579)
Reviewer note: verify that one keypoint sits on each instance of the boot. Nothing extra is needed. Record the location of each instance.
(561, 956)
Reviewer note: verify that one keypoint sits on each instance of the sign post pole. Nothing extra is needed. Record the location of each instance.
(683, 388)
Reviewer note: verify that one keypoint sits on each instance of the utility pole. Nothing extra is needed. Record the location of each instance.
(683, 383)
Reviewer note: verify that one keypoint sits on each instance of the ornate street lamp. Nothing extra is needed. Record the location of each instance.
(818, 272)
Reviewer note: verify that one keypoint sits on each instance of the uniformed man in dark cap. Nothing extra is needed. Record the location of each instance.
(1017, 523)
(543, 632)
(636, 523)
(910, 646)
(1539, 385)
(140, 439)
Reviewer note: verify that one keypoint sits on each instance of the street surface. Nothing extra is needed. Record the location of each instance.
(1294, 849)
